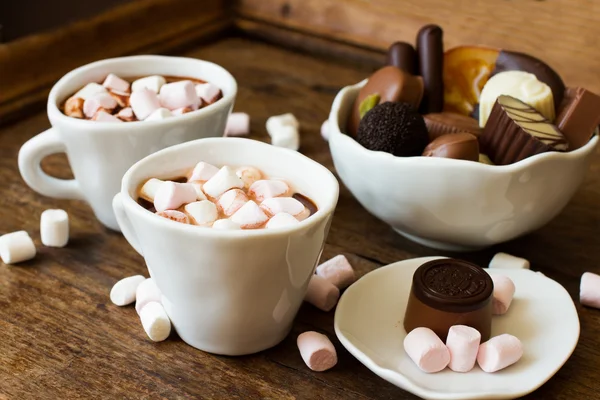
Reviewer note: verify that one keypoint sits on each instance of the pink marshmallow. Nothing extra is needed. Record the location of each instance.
(321, 293)
(289, 205)
(231, 201)
(249, 216)
(463, 344)
(426, 350)
(208, 92)
(126, 114)
(504, 290)
(203, 172)
(179, 95)
(96, 102)
(337, 271)
(114, 83)
(238, 124)
(144, 102)
(589, 290)
(103, 116)
(266, 189)
(317, 351)
(499, 352)
(171, 195)
(174, 215)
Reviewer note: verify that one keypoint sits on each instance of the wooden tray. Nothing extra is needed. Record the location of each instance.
(61, 336)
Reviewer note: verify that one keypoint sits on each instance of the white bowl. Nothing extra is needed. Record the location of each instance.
(454, 204)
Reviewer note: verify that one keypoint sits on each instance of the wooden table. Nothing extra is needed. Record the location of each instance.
(61, 337)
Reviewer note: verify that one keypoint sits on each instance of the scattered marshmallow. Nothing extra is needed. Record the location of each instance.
(16, 247)
(504, 290)
(143, 102)
(199, 192)
(337, 271)
(281, 220)
(74, 107)
(238, 124)
(126, 114)
(123, 292)
(589, 290)
(325, 130)
(155, 321)
(203, 172)
(222, 181)
(249, 175)
(317, 351)
(499, 352)
(100, 101)
(288, 205)
(153, 83)
(268, 188)
(277, 121)
(146, 292)
(463, 344)
(208, 92)
(203, 212)
(426, 350)
(250, 216)
(321, 293)
(172, 195)
(226, 224)
(506, 261)
(90, 90)
(103, 116)
(159, 114)
(286, 137)
(148, 190)
(174, 215)
(178, 95)
(114, 83)
(54, 228)
(231, 201)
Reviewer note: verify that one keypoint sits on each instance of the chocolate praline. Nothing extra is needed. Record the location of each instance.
(447, 292)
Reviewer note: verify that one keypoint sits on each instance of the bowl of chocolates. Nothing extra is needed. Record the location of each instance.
(464, 148)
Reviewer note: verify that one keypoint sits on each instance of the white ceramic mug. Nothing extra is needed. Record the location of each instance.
(229, 292)
(99, 153)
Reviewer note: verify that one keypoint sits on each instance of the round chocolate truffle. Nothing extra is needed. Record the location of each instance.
(460, 146)
(396, 128)
(447, 292)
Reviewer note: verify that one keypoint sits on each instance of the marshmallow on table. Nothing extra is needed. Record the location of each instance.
(172, 195)
(426, 350)
(203, 172)
(203, 212)
(148, 190)
(504, 290)
(325, 130)
(250, 216)
(321, 293)
(103, 116)
(146, 292)
(97, 102)
(249, 175)
(463, 344)
(155, 321)
(337, 271)
(317, 351)
(231, 201)
(589, 290)
(222, 181)
(503, 260)
(143, 102)
(159, 114)
(208, 92)
(281, 220)
(90, 90)
(499, 352)
(174, 215)
(178, 95)
(54, 228)
(16, 247)
(74, 107)
(277, 121)
(268, 188)
(238, 124)
(153, 83)
(123, 292)
(113, 82)
(126, 114)
(286, 137)
(288, 205)
(226, 224)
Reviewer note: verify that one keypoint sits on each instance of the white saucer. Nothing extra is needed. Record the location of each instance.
(370, 314)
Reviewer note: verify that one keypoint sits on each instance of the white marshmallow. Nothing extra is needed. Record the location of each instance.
(113, 82)
(96, 102)
(504, 290)
(208, 92)
(499, 352)
(281, 220)
(463, 345)
(159, 115)
(179, 95)
(589, 290)
(503, 260)
(325, 130)
(249, 175)
(231, 201)
(222, 181)
(238, 124)
(143, 102)
(146, 292)
(337, 271)
(54, 228)
(153, 83)
(426, 350)
(317, 351)
(286, 137)
(16, 247)
(155, 321)
(203, 212)
(172, 195)
(174, 215)
(90, 90)
(250, 216)
(226, 224)
(321, 293)
(123, 292)
(277, 121)
(103, 116)
(149, 188)
(198, 188)
(182, 110)
(122, 99)
(288, 205)
(126, 114)
(203, 172)
(268, 188)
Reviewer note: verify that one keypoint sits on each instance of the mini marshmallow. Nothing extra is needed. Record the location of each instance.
(174, 215)
(126, 114)
(181, 111)
(103, 116)
(499, 352)
(268, 188)
(463, 344)
(249, 175)
(504, 290)
(122, 99)
(16, 247)
(226, 224)
(337, 271)
(153, 83)
(589, 290)
(143, 103)
(203, 172)
(148, 190)
(250, 216)
(178, 95)
(286, 137)
(506, 261)
(123, 292)
(317, 351)
(231, 201)
(426, 350)
(288, 205)
(199, 192)
(208, 92)
(113, 82)
(146, 292)
(96, 102)
(155, 321)
(203, 212)
(325, 130)
(321, 293)
(277, 121)
(222, 181)
(172, 195)
(282, 220)
(90, 90)
(238, 124)
(74, 107)
(159, 114)
(54, 228)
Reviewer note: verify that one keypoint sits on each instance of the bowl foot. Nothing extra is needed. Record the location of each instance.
(438, 245)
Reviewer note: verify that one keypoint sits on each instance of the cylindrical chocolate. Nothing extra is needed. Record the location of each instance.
(403, 55)
(430, 50)
(447, 292)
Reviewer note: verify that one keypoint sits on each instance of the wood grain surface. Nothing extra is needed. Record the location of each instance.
(62, 338)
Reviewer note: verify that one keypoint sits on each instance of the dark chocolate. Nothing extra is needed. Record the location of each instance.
(439, 124)
(430, 51)
(403, 55)
(578, 116)
(460, 146)
(308, 203)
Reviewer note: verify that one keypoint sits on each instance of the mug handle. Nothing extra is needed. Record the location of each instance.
(30, 157)
(125, 223)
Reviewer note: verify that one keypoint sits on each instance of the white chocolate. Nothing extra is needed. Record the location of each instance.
(123, 292)
(317, 351)
(16, 247)
(146, 292)
(155, 321)
(54, 228)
